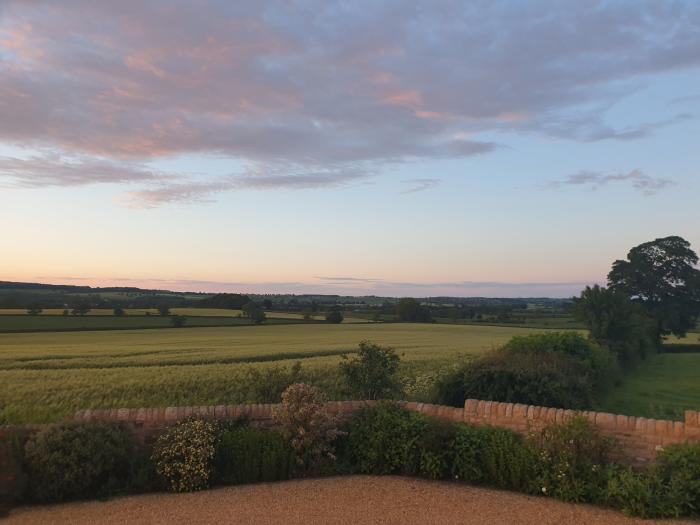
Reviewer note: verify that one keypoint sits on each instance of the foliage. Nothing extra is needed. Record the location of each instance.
(410, 310)
(81, 307)
(184, 454)
(119, 312)
(334, 317)
(267, 384)
(372, 373)
(616, 322)
(534, 378)
(310, 430)
(178, 321)
(231, 301)
(573, 345)
(253, 312)
(662, 277)
(34, 309)
(668, 488)
(164, 310)
(248, 455)
(78, 460)
(492, 456)
(571, 461)
(385, 440)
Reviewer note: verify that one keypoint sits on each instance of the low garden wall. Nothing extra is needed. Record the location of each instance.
(640, 438)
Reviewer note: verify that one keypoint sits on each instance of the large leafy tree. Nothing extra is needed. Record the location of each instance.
(661, 276)
(616, 322)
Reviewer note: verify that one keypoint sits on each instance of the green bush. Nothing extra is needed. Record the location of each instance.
(435, 456)
(555, 369)
(249, 455)
(492, 456)
(266, 384)
(78, 460)
(679, 470)
(574, 345)
(572, 459)
(668, 488)
(385, 440)
(533, 378)
(372, 372)
(184, 455)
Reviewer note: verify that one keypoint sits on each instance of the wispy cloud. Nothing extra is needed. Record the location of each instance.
(58, 170)
(638, 180)
(281, 177)
(420, 185)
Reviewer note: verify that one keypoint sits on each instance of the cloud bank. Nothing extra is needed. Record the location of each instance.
(321, 86)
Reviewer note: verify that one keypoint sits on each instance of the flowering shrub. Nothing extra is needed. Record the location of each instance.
(184, 455)
(310, 430)
(571, 461)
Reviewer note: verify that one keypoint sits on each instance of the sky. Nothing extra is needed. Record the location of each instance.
(480, 148)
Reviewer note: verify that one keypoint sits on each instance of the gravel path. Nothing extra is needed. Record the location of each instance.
(353, 500)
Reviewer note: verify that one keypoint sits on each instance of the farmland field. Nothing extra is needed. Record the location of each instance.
(47, 376)
(662, 387)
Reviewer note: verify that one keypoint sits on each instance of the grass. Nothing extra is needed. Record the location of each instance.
(48, 376)
(662, 387)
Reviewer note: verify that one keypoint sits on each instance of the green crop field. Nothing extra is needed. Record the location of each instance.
(48, 376)
(60, 323)
(662, 387)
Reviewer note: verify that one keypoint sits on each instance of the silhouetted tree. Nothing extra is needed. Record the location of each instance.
(34, 309)
(335, 317)
(81, 307)
(661, 276)
(410, 310)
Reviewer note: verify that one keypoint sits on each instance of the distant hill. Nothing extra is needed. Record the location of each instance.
(23, 295)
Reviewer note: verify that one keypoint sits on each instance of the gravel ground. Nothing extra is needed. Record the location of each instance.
(353, 500)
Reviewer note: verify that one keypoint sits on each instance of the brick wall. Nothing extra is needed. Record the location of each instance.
(640, 438)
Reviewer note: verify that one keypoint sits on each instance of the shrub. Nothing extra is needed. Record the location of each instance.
(435, 456)
(309, 429)
(248, 455)
(371, 374)
(384, 440)
(492, 456)
(571, 461)
(183, 455)
(574, 345)
(638, 493)
(267, 384)
(78, 460)
(669, 488)
(679, 470)
(334, 317)
(534, 378)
